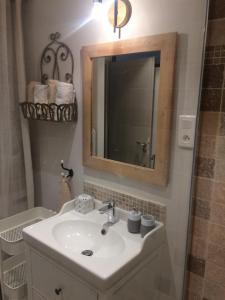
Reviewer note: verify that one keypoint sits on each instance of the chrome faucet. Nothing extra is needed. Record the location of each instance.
(110, 210)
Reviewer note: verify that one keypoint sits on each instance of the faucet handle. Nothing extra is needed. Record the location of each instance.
(109, 209)
(111, 203)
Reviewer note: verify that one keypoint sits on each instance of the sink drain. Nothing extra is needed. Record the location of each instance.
(87, 252)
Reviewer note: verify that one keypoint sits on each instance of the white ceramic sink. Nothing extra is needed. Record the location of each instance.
(82, 235)
(65, 236)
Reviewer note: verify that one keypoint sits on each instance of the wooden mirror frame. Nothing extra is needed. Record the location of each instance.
(166, 44)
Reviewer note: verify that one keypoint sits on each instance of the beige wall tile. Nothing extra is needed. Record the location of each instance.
(216, 32)
(216, 255)
(217, 234)
(211, 98)
(202, 209)
(220, 147)
(200, 228)
(213, 75)
(217, 215)
(199, 247)
(195, 283)
(215, 274)
(219, 173)
(222, 124)
(207, 146)
(193, 296)
(219, 192)
(217, 9)
(204, 188)
(205, 167)
(196, 265)
(213, 292)
(209, 123)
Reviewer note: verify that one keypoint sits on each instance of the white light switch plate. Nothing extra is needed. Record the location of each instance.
(186, 131)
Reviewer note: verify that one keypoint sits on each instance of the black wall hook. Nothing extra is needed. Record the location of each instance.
(70, 171)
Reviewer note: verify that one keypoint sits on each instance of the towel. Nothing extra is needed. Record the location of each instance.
(65, 193)
(30, 91)
(52, 90)
(41, 93)
(64, 93)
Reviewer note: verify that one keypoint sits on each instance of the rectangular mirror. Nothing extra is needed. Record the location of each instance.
(127, 92)
(124, 107)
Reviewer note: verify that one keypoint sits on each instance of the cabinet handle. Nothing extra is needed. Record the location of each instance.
(58, 291)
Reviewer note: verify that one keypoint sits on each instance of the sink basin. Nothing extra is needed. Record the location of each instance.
(81, 235)
(75, 240)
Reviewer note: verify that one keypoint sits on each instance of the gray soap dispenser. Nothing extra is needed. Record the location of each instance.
(134, 221)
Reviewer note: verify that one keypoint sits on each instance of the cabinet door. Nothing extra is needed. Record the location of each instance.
(37, 296)
(53, 283)
(143, 286)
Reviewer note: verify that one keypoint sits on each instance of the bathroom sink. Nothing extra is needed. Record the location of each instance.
(75, 240)
(85, 237)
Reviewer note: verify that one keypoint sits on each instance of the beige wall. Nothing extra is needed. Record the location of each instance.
(53, 142)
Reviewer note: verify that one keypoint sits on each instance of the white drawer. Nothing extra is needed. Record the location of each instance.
(53, 283)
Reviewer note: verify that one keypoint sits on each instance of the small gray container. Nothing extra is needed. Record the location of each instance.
(134, 221)
(147, 224)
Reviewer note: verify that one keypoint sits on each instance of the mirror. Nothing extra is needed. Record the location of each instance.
(124, 107)
(127, 93)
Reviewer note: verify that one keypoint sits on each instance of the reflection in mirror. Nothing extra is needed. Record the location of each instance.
(124, 107)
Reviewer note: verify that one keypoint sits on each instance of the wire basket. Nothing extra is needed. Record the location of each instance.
(14, 281)
(50, 112)
(57, 63)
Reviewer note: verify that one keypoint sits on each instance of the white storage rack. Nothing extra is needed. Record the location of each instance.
(12, 252)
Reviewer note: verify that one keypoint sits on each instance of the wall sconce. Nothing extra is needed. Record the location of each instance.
(119, 13)
(97, 9)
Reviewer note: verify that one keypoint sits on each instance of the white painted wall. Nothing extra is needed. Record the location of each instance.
(52, 142)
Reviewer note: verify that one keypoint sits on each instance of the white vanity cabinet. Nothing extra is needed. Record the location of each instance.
(37, 296)
(122, 266)
(142, 285)
(49, 281)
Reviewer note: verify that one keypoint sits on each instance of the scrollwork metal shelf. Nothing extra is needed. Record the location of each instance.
(60, 57)
(50, 112)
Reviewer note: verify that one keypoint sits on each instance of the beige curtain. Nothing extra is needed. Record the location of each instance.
(16, 176)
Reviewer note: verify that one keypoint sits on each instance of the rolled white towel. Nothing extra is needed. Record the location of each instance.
(52, 90)
(30, 91)
(41, 93)
(64, 93)
(65, 191)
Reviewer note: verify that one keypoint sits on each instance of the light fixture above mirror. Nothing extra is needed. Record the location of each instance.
(119, 13)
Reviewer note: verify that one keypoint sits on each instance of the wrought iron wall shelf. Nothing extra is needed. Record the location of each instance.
(57, 57)
(50, 112)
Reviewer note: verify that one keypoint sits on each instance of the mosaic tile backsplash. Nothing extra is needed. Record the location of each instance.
(125, 201)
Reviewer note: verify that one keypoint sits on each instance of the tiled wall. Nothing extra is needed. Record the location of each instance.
(126, 201)
(207, 257)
